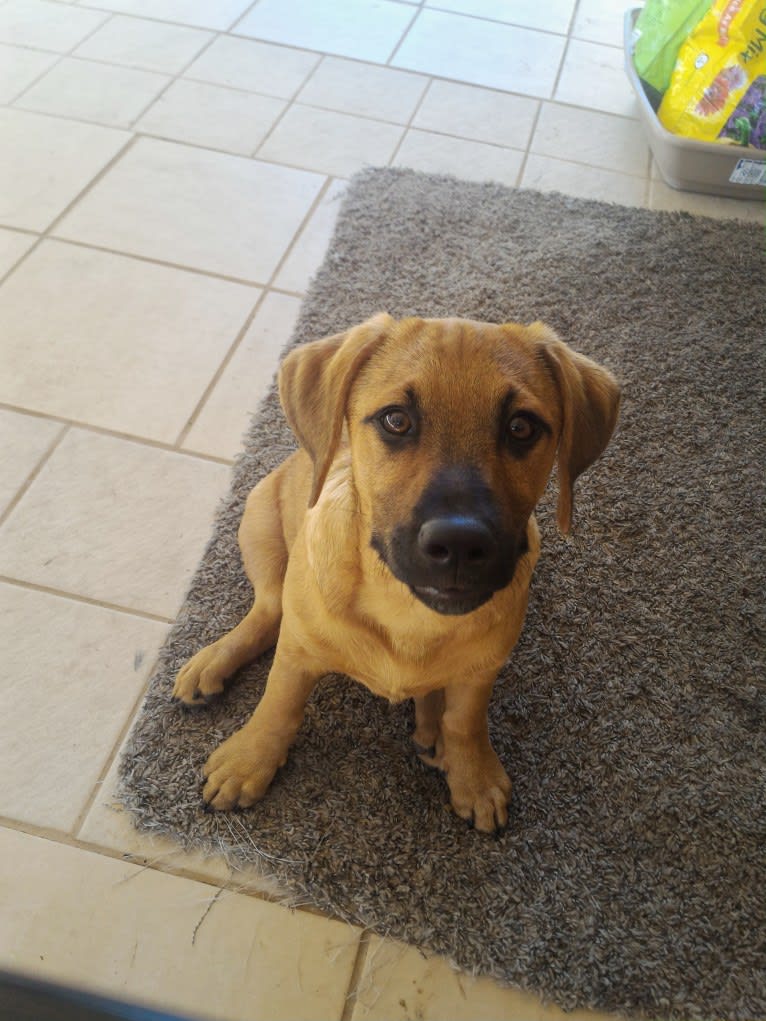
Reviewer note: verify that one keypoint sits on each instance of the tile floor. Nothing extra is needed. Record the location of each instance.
(170, 180)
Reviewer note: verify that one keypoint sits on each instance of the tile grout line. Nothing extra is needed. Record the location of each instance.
(357, 971)
(330, 180)
(155, 99)
(295, 100)
(174, 78)
(125, 437)
(144, 862)
(484, 19)
(62, 57)
(154, 261)
(307, 169)
(409, 125)
(290, 102)
(49, 590)
(30, 85)
(404, 34)
(216, 378)
(361, 116)
(22, 258)
(114, 751)
(46, 234)
(38, 467)
(648, 186)
(528, 148)
(267, 289)
(573, 19)
(559, 73)
(242, 16)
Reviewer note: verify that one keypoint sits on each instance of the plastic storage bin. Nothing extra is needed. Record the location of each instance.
(716, 168)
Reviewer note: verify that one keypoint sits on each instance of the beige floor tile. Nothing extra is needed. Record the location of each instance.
(18, 69)
(225, 417)
(492, 54)
(114, 521)
(546, 174)
(151, 45)
(671, 199)
(74, 673)
(168, 333)
(46, 25)
(54, 160)
(552, 16)
(198, 13)
(594, 76)
(601, 21)
(13, 244)
(364, 89)
(91, 921)
(399, 983)
(483, 115)
(331, 143)
(209, 115)
(254, 66)
(587, 136)
(24, 439)
(108, 825)
(192, 207)
(309, 250)
(473, 161)
(362, 29)
(92, 91)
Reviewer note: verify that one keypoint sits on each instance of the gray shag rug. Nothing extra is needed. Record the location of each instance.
(631, 715)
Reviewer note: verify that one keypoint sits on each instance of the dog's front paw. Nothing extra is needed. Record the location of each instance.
(480, 791)
(241, 769)
(202, 677)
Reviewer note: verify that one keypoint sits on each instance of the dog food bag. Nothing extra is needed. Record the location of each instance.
(659, 31)
(718, 64)
(747, 125)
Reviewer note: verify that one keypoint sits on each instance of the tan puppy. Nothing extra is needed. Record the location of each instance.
(397, 545)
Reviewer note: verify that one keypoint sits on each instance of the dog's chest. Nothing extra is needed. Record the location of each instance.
(416, 652)
(396, 676)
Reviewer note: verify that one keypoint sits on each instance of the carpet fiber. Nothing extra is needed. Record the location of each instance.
(630, 717)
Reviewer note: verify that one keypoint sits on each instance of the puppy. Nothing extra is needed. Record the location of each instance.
(397, 544)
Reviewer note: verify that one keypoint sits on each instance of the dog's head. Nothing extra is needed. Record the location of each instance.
(454, 428)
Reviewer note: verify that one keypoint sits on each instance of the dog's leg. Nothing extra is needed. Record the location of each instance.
(479, 786)
(428, 717)
(241, 769)
(264, 555)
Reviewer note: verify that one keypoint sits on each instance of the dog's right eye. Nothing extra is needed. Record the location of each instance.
(396, 422)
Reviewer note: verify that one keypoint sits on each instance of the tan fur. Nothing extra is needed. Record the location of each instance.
(307, 530)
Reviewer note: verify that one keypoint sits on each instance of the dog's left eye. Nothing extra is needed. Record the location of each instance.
(522, 429)
(396, 421)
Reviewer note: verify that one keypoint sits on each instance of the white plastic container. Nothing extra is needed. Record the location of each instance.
(736, 171)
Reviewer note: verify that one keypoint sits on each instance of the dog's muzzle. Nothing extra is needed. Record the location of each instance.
(453, 553)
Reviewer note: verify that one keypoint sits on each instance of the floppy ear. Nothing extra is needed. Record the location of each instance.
(590, 399)
(314, 384)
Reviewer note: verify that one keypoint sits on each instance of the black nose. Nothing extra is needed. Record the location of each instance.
(456, 542)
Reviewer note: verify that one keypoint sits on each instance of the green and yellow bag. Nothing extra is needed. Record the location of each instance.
(660, 31)
(722, 58)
